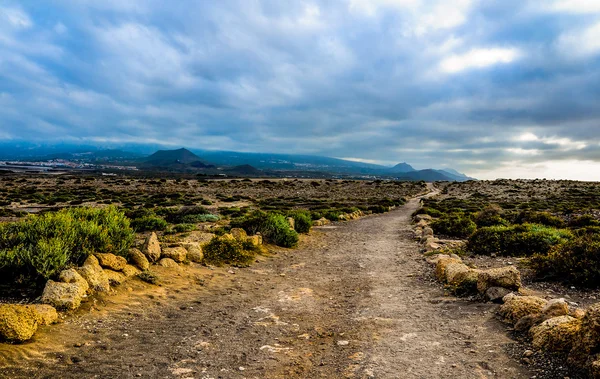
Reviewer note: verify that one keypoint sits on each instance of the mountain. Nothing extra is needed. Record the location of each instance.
(401, 168)
(428, 175)
(179, 157)
(244, 170)
(455, 175)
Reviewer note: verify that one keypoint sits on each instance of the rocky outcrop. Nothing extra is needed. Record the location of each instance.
(506, 277)
(66, 294)
(138, 259)
(557, 334)
(152, 248)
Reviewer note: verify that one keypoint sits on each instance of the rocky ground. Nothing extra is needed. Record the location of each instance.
(355, 300)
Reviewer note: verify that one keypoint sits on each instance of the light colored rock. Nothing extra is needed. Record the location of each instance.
(64, 296)
(138, 259)
(525, 323)
(461, 278)
(111, 261)
(556, 334)
(321, 222)
(130, 270)
(151, 248)
(255, 240)
(435, 258)
(588, 338)
(199, 237)
(115, 278)
(577, 313)
(521, 306)
(178, 254)
(18, 323)
(427, 232)
(506, 277)
(168, 262)
(94, 275)
(72, 276)
(555, 308)
(46, 314)
(194, 252)
(423, 217)
(239, 234)
(440, 268)
(496, 294)
(292, 222)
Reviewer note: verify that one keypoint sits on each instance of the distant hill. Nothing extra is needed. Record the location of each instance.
(244, 170)
(428, 175)
(401, 168)
(175, 159)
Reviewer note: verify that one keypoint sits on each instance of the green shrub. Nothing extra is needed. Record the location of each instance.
(273, 227)
(516, 240)
(183, 215)
(576, 262)
(490, 216)
(428, 211)
(149, 223)
(378, 208)
(542, 218)
(40, 246)
(302, 220)
(222, 250)
(454, 225)
(182, 228)
(583, 221)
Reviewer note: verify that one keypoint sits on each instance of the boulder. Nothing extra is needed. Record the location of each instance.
(194, 252)
(255, 240)
(496, 294)
(433, 259)
(94, 275)
(138, 259)
(442, 264)
(423, 217)
(556, 334)
(507, 277)
(321, 222)
(168, 262)
(130, 270)
(595, 369)
(555, 308)
(64, 296)
(422, 224)
(151, 248)
(239, 234)
(588, 338)
(72, 276)
(115, 278)
(521, 306)
(18, 323)
(525, 323)
(427, 232)
(178, 254)
(111, 261)
(199, 237)
(46, 314)
(461, 278)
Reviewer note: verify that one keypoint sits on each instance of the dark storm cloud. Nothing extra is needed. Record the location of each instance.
(473, 84)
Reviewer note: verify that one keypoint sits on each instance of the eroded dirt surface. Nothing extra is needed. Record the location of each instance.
(356, 300)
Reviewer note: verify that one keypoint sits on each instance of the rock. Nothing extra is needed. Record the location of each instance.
(496, 294)
(595, 369)
(506, 277)
(556, 334)
(130, 270)
(292, 222)
(168, 262)
(509, 296)
(441, 265)
(525, 323)
(46, 314)
(321, 222)
(427, 232)
(577, 313)
(199, 237)
(255, 240)
(528, 353)
(72, 276)
(178, 254)
(64, 296)
(433, 259)
(555, 308)
(521, 306)
(461, 278)
(588, 338)
(423, 217)
(151, 248)
(18, 323)
(422, 224)
(114, 277)
(228, 236)
(138, 259)
(194, 252)
(94, 275)
(239, 234)
(111, 261)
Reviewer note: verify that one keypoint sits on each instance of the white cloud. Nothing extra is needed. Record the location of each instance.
(16, 17)
(573, 6)
(478, 58)
(580, 43)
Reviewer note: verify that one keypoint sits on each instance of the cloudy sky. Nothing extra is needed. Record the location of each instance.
(495, 88)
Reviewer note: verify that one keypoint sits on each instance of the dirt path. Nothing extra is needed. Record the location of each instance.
(355, 300)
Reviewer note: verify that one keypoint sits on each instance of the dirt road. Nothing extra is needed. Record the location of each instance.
(356, 300)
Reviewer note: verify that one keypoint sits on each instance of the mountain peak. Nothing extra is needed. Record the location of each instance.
(402, 168)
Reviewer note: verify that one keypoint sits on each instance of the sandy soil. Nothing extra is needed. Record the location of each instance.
(355, 300)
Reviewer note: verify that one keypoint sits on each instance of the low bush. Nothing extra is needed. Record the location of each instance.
(149, 223)
(182, 228)
(576, 262)
(454, 225)
(222, 250)
(583, 221)
(428, 211)
(273, 227)
(491, 215)
(40, 246)
(542, 218)
(302, 220)
(516, 240)
(148, 277)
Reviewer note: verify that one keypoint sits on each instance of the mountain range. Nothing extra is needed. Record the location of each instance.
(225, 162)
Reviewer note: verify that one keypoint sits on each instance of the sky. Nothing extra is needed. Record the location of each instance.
(493, 88)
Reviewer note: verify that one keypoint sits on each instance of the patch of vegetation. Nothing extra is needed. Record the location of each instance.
(517, 240)
(302, 220)
(223, 250)
(40, 246)
(454, 225)
(273, 227)
(149, 223)
(575, 262)
(148, 277)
